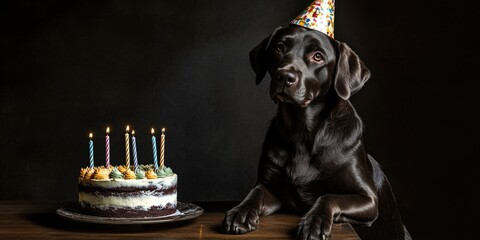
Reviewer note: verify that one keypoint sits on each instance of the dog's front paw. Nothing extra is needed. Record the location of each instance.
(240, 220)
(314, 226)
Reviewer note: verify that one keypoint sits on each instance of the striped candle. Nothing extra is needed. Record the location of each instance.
(134, 149)
(107, 148)
(127, 148)
(154, 144)
(90, 148)
(162, 149)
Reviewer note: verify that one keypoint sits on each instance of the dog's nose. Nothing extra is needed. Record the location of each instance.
(289, 77)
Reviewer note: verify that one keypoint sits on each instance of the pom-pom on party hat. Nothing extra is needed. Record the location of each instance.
(318, 16)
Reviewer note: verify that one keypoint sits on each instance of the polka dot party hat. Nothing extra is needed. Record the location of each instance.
(318, 16)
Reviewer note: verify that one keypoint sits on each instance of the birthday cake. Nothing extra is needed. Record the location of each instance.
(124, 192)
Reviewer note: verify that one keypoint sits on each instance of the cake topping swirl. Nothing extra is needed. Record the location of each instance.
(140, 174)
(122, 172)
(122, 168)
(102, 173)
(83, 171)
(129, 174)
(164, 172)
(151, 174)
(116, 174)
(89, 174)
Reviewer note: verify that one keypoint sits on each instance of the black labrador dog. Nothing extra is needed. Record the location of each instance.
(313, 159)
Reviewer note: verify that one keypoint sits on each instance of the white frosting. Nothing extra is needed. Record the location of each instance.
(144, 200)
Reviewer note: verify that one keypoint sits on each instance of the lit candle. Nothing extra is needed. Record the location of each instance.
(127, 148)
(90, 148)
(134, 149)
(107, 148)
(162, 148)
(154, 144)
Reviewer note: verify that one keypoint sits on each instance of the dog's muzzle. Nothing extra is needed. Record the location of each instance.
(286, 78)
(287, 87)
(283, 85)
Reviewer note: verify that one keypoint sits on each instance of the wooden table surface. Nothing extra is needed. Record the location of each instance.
(34, 220)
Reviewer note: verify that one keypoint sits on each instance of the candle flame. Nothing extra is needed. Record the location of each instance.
(108, 130)
(128, 128)
(153, 131)
(90, 135)
(133, 132)
(163, 130)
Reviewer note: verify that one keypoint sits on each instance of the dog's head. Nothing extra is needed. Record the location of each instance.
(304, 65)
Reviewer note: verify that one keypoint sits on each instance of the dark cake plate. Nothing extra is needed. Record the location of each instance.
(184, 212)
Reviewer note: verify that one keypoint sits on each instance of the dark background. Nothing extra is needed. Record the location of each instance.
(68, 68)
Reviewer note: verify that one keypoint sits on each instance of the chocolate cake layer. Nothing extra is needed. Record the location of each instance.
(128, 212)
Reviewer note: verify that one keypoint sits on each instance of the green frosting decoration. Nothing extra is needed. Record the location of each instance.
(164, 172)
(168, 171)
(143, 167)
(140, 174)
(116, 174)
(160, 173)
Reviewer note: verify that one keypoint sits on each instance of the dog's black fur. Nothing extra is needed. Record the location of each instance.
(313, 159)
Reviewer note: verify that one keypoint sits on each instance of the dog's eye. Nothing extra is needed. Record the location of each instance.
(317, 57)
(280, 47)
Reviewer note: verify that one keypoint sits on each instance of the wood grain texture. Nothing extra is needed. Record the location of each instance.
(27, 220)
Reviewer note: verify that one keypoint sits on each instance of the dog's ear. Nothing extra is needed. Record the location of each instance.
(350, 72)
(258, 57)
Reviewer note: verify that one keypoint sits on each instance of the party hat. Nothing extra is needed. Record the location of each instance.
(318, 16)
